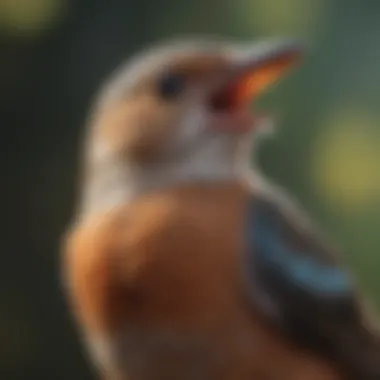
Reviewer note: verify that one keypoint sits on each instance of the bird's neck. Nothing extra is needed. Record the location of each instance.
(113, 183)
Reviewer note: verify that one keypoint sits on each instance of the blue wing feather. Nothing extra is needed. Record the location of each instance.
(300, 268)
(297, 283)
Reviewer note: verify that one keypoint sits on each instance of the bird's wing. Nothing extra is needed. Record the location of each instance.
(300, 285)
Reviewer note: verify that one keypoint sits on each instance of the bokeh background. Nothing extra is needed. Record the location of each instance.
(53, 56)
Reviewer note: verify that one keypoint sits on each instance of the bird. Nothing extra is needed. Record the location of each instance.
(182, 261)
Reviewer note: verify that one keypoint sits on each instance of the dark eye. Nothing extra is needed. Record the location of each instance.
(171, 85)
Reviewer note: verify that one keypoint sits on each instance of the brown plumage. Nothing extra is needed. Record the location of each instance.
(155, 263)
(168, 264)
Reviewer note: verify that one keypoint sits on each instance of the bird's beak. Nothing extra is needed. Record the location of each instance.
(252, 70)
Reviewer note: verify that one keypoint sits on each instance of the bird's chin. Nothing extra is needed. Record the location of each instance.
(239, 121)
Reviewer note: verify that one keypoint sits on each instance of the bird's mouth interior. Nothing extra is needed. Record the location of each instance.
(250, 77)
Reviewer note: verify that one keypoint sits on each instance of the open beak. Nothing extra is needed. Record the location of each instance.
(252, 70)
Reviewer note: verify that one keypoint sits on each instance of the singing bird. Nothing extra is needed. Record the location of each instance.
(182, 261)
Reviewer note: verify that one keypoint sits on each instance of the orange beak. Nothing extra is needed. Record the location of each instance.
(254, 71)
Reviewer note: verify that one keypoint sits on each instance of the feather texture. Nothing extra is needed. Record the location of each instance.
(311, 294)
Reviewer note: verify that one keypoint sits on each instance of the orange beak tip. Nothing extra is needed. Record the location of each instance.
(260, 73)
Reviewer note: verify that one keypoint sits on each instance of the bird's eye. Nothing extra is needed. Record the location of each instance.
(171, 85)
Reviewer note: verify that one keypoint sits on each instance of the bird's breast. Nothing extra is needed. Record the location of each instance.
(159, 278)
(157, 288)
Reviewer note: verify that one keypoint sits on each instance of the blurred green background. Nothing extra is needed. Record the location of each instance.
(55, 53)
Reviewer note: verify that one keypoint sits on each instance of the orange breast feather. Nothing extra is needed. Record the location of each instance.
(170, 262)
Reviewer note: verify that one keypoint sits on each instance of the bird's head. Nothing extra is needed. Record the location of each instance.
(178, 112)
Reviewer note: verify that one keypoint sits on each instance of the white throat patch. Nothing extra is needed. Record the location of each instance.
(112, 182)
